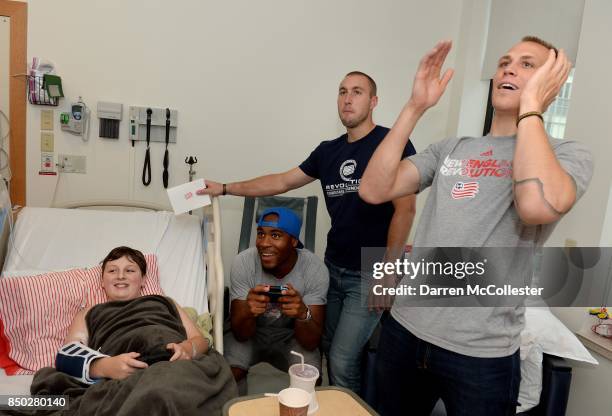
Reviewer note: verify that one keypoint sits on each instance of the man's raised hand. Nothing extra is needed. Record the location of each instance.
(428, 85)
(546, 82)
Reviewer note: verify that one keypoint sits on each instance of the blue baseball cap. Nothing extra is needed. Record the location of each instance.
(287, 221)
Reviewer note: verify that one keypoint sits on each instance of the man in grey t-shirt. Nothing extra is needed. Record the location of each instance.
(507, 189)
(265, 326)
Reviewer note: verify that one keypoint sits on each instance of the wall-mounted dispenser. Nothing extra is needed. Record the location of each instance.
(110, 117)
(77, 120)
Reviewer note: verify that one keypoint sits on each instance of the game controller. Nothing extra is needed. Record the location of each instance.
(276, 292)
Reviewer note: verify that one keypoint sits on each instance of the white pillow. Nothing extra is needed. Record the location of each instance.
(544, 333)
(546, 330)
(531, 377)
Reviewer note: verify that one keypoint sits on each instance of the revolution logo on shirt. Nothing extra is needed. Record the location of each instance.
(464, 190)
(347, 169)
(475, 168)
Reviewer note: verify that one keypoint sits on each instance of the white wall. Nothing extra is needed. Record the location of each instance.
(255, 84)
(557, 21)
(468, 92)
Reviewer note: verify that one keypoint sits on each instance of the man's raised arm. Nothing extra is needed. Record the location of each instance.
(543, 190)
(388, 177)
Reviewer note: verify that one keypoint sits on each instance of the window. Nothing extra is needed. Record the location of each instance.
(555, 117)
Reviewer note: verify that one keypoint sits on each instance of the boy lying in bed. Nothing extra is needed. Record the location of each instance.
(138, 354)
(123, 274)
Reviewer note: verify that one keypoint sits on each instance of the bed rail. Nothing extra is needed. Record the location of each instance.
(216, 284)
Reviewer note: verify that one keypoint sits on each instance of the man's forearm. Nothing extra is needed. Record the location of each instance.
(379, 179)
(543, 191)
(399, 228)
(261, 186)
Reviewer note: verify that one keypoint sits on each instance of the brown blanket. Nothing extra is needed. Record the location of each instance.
(145, 325)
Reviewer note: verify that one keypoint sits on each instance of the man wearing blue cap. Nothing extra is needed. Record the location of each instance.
(266, 326)
(339, 165)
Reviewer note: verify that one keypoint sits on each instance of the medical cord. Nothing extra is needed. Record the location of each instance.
(25, 265)
(86, 127)
(8, 123)
(59, 176)
(166, 155)
(3, 152)
(146, 169)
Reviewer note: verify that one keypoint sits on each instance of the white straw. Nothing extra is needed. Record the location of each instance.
(301, 358)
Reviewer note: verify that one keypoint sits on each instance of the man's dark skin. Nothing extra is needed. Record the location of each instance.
(278, 255)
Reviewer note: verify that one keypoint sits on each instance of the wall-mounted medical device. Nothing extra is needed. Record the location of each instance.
(157, 128)
(77, 120)
(110, 117)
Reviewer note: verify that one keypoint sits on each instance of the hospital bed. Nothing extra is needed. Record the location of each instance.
(77, 235)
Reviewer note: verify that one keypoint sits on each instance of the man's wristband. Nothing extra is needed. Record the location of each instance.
(224, 189)
(529, 114)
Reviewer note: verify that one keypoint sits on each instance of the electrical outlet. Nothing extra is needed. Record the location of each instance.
(46, 119)
(71, 163)
(46, 141)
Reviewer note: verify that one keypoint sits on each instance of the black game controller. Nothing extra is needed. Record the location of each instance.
(275, 292)
(155, 356)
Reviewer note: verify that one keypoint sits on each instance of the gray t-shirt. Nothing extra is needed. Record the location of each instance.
(471, 205)
(309, 277)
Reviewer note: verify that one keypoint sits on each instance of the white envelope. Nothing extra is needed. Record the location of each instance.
(184, 198)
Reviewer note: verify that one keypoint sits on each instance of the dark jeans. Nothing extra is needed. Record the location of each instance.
(412, 375)
(348, 326)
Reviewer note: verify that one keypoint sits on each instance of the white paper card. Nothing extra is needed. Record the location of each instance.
(184, 198)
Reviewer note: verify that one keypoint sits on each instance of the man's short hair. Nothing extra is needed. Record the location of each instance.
(540, 41)
(369, 78)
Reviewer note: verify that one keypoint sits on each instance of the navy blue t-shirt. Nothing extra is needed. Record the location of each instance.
(339, 166)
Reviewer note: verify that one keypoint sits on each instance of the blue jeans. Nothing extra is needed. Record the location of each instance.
(348, 326)
(412, 374)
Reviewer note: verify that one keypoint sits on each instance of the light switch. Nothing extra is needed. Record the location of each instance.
(46, 119)
(46, 141)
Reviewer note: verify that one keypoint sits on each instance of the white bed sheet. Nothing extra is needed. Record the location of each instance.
(53, 239)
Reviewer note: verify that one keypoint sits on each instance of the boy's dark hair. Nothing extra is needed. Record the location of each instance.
(134, 255)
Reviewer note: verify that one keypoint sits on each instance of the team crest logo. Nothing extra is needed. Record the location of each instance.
(347, 168)
(463, 190)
